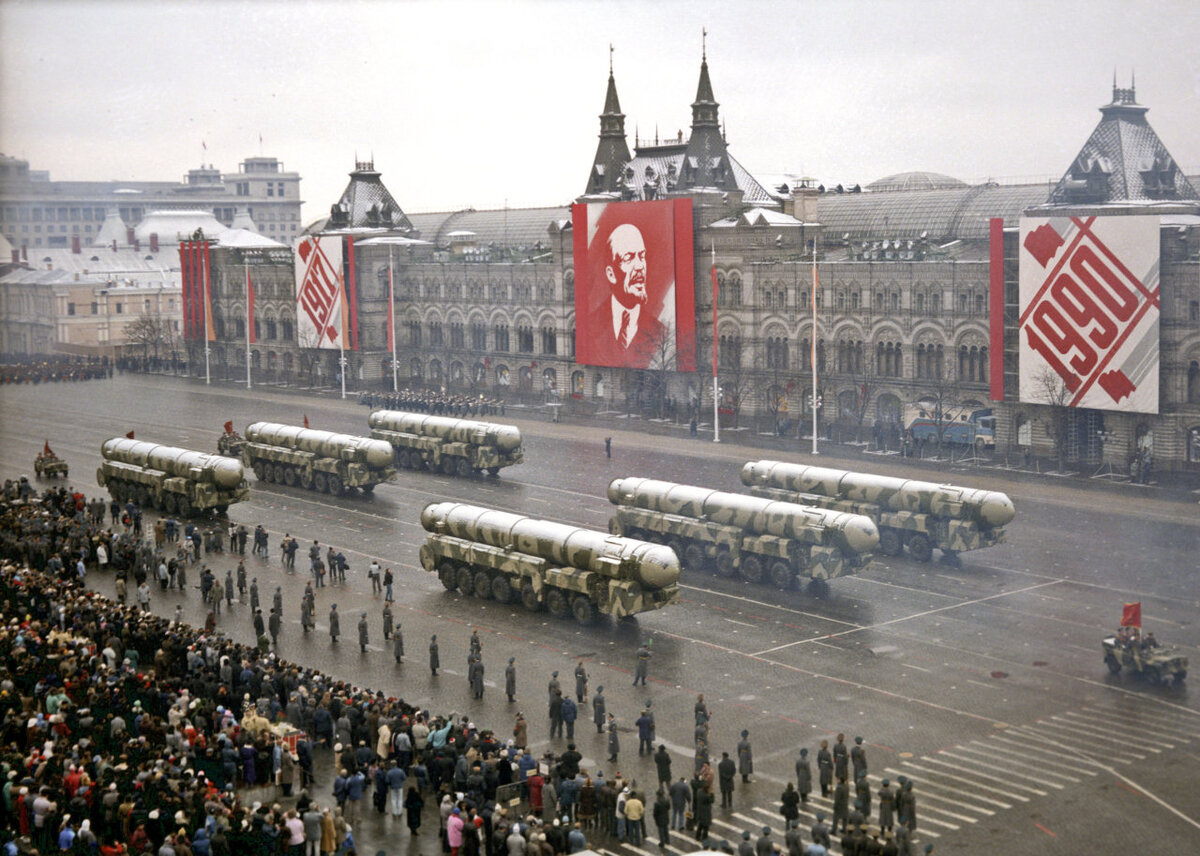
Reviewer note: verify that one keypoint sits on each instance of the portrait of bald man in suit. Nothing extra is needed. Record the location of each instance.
(625, 331)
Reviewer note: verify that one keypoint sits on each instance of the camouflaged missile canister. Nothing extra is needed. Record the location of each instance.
(914, 514)
(173, 480)
(316, 460)
(755, 537)
(443, 443)
(564, 569)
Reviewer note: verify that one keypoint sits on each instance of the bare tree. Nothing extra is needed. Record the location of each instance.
(1055, 396)
(736, 380)
(661, 366)
(146, 332)
(308, 355)
(941, 400)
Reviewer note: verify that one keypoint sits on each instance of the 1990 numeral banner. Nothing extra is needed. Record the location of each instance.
(1089, 312)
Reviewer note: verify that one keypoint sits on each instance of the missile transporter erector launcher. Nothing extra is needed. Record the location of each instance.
(743, 535)
(316, 460)
(453, 446)
(914, 514)
(564, 569)
(176, 481)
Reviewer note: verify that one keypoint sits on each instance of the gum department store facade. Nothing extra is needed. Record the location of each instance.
(485, 299)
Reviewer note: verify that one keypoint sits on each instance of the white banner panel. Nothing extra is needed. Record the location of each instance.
(319, 303)
(1089, 298)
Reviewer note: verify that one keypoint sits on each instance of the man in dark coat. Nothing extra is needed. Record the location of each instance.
(335, 625)
(510, 679)
(598, 709)
(803, 776)
(435, 662)
(363, 633)
(745, 756)
(662, 762)
(726, 770)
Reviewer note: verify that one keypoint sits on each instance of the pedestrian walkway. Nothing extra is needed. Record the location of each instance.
(960, 785)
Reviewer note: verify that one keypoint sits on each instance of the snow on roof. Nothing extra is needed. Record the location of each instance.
(245, 238)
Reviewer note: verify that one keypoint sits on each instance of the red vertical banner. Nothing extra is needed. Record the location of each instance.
(685, 286)
(209, 333)
(996, 308)
(183, 283)
(250, 333)
(352, 293)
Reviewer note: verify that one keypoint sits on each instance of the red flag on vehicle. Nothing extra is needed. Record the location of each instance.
(130, 435)
(229, 427)
(1131, 615)
(305, 420)
(46, 448)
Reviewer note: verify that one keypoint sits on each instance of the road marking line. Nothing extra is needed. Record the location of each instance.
(1134, 722)
(918, 668)
(971, 782)
(1074, 733)
(1098, 722)
(929, 759)
(1054, 763)
(1103, 735)
(983, 750)
(1056, 742)
(1008, 771)
(952, 788)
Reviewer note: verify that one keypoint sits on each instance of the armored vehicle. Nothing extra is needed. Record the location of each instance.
(177, 481)
(1154, 663)
(913, 514)
(564, 569)
(746, 535)
(316, 460)
(454, 446)
(49, 465)
(230, 444)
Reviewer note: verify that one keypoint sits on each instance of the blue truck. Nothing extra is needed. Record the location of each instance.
(960, 426)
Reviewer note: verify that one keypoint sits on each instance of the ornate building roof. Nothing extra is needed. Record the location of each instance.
(915, 181)
(365, 204)
(1123, 161)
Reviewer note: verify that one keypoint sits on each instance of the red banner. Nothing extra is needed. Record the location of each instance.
(1131, 615)
(252, 336)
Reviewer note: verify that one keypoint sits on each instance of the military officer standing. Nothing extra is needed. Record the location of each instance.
(510, 679)
(581, 682)
(435, 662)
(335, 625)
(643, 664)
(362, 633)
(598, 709)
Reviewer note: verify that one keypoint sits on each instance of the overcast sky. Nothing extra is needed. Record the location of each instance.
(482, 104)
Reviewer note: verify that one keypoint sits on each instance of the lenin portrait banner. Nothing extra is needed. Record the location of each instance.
(1089, 308)
(634, 294)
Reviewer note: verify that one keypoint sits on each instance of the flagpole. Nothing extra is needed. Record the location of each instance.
(392, 315)
(716, 389)
(249, 321)
(813, 348)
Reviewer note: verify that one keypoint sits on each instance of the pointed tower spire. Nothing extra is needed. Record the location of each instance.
(612, 152)
(706, 163)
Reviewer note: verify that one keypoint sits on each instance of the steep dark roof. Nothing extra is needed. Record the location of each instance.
(367, 203)
(1123, 161)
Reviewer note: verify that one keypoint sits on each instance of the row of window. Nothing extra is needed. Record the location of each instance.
(434, 335)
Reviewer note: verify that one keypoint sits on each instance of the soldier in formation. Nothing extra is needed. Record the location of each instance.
(435, 402)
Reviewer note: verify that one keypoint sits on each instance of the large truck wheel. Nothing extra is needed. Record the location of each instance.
(186, 509)
(724, 562)
(278, 476)
(584, 610)
(557, 603)
(818, 588)
(336, 488)
(751, 569)
(920, 547)
(781, 575)
(466, 579)
(464, 468)
(483, 585)
(289, 476)
(1113, 664)
(493, 470)
(170, 504)
(306, 479)
(502, 590)
(889, 542)
(260, 470)
(367, 488)
(448, 466)
(693, 557)
(320, 483)
(448, 574)
(529, 597)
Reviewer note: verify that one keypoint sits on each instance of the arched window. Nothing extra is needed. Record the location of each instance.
(1193, 444)
(1193, 382)
(920, 304)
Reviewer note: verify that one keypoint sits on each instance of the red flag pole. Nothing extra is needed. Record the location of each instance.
(392, 324)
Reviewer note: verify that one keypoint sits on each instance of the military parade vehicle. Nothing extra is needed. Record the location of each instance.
(230, 443)
(913, 514)
(49, 465)
(564, 569)
(453, 446)
(177, 481)
(1144, 656)
(316, 460)
(749, 536)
